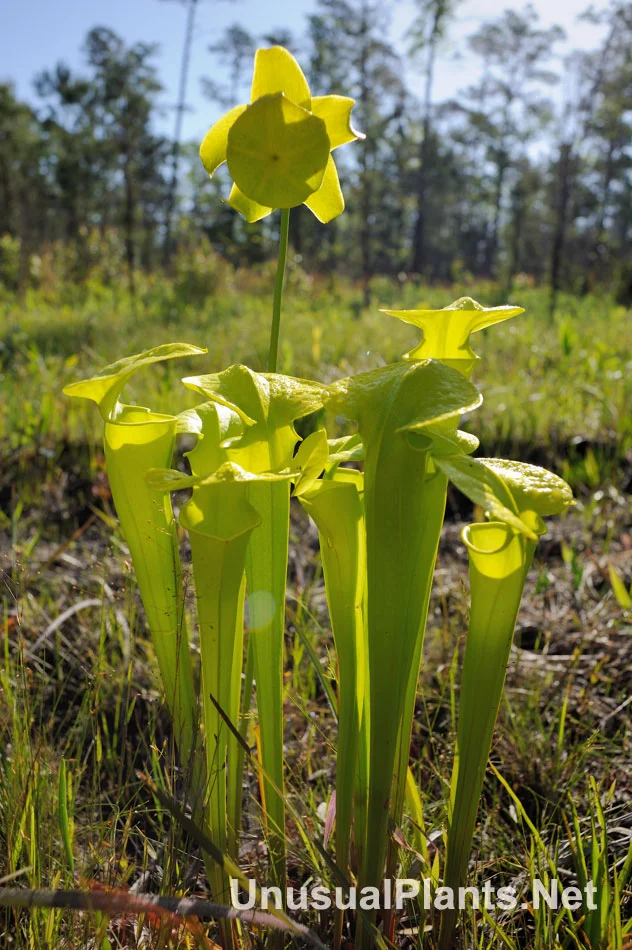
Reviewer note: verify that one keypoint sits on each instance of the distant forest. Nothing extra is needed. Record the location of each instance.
(509, 178)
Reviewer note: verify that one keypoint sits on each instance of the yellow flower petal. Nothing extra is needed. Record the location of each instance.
(328, 201)
(215, 142)
(277, 152)
(250, 209)
(335, 111)
(276, 70)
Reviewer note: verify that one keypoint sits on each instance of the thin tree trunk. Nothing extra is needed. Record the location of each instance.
(492, 247)
(517, 215)
(419, 247)
(128, 224)
(605, 192)
(624, 219)
(419, 234)
(366, 202)
(559, 236)
(6, 198)
(595, 251)
(148, 230)
(177, 135)
(24, 232)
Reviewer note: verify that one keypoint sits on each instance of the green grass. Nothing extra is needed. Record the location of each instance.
(557, 391)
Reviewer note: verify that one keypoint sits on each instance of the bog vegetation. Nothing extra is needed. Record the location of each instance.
(309, 730)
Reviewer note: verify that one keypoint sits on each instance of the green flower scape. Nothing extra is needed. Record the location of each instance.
(377, 497)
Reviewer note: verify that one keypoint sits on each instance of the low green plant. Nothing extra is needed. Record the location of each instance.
(603, 924)
(601, 879)
(379, 529)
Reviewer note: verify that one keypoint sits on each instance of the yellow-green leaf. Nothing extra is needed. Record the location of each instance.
(311, 459)
(268, 404)
(618, 589)
(105, 387)
(486, 488)
(533, 488)
(448, 441)
(170, 479)
(427, 394)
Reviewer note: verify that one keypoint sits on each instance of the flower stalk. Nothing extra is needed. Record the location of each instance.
(284, 231)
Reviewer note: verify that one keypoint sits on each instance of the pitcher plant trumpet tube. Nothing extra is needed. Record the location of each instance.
(267, 404)
(335, 504)
(219, 520)
(135, 441)
(392, 406)
(446, 332)
(378, 529)
(499, 559)
(446, 337)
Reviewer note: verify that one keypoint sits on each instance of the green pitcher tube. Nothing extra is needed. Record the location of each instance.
(432, 502)
(219, 521)
(393, 407)
(267, 404)
(499, 560)
(335, 505)
(266, 579)
(136, 442)
(397, 576)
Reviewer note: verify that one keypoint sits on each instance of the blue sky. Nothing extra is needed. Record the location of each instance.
(35, 34)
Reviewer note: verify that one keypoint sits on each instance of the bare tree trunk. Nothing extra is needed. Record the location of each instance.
(366, 202)
(24, 234)
(625, 218)
(517, 219)
(563, 194)
(296, 233)
(128, 223)
(419, 234)
(177, 135)
(148, 231)
(605, 191)
(492, 247)
(596, 250)
(6, 198)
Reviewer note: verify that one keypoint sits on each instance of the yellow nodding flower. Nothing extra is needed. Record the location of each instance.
(278, 148)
